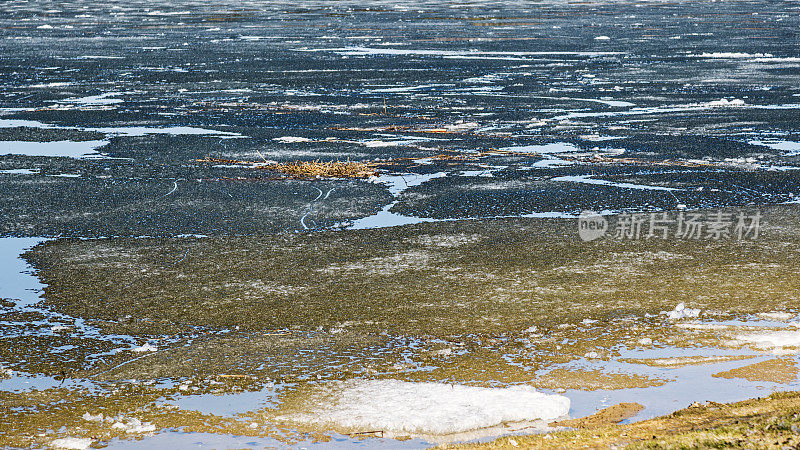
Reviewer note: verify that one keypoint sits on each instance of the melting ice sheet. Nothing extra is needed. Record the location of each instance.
(20, 171)
(123, 131)
(429, 408)
(365, 51)
(69, 149)
(556, 147)
(96, 100)
(790, 147)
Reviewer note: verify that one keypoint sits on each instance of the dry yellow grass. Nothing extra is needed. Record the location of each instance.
(328, 169)
(307, 169)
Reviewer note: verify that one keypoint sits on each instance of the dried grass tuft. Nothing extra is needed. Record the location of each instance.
(308, 169)
(327, 169)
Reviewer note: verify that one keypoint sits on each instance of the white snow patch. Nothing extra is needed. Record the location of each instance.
(291, 139)
(791, 148)
(461, 126)
(378, 143)
(681, 312)
(431, 408)
(99, 57)
(609, 102)
(776, 315)
(53, 84)
(124, 131)
(556, 147)
(20, 171)
(403, 89)
(70, 149)
(397, 141)
(96, 100)
(549, 162)
(133, 425)
(145, 348)
(92, 417)
(733, 55)
(775, 340)
(371, 51)
(701, 326)
(175, 131)
(72, 443)
(724, 103)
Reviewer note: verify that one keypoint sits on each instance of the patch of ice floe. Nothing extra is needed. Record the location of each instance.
(681, 312)
(555, 147)
(791, 148)
(291, 139)
(777, 315)
(430, 408)
(125, 131)
(68, 149)
(133, 425)
(780, 342)
(72, 443)
(145, 348)
(724, 102)
(107, 98)
(128, 425)
(732, 55)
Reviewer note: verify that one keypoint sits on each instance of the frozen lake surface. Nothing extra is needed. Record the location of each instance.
(137, 137)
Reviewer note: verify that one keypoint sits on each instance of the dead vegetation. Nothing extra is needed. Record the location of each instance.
(329, 169)
(306, 169)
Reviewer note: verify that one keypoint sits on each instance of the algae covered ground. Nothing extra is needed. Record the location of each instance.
(470, 288)
(491, 303)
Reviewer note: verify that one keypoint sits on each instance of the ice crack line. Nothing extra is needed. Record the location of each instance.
(311, 205)
(174, 188)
